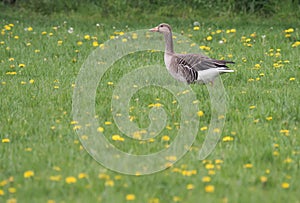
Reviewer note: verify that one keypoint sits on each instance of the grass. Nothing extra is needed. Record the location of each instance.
(256, 159)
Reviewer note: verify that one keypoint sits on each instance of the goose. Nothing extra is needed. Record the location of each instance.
(190, 68)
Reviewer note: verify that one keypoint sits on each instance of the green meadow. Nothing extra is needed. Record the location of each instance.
(42, 159)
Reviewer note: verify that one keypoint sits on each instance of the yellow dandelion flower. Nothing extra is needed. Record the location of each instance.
(288, 35)
(221, 117)
(11, 59)
(200, 113)
(117, 138)
(7, 27)
(257, 66)
(176, 199)
(124, 40)
(269, 118)
(77, 127)
(1, 192)
(203, 128)
(256, 121)
(171, 158)
(73, 122)
(295, 44)
(252, 107)
(190, 186)
(50, 34)
(11, 73)
(263, 179)
(16, 37)
(218, 161)
(209, 38)
(87, 37)
(275, 153)
(112, 37)
(103, 176)
(188, 172)
(216, 130)
(288, 160)
(56, 168)
(196, 28)
(100, 129)
(109, 183)
(31, 81)
(151, 140)
(284, 131)
(227, 139)
(285, 185)
(82, 175)
(12, 190)
(22, 65)
(155, 105)
(253, 34)
(44, 33)
(209, 188)
(165, 138)
(28, 174)
(130, 197)
(205, 48)
(55, 178)
(11, 200)
(290, 30)
(218, 31)
(206, 179)
(233, 30)
(107, 123)
(247, 165)
(134, 36)
(153, 200)
(118, 177)
(70, 180)
(95, 44)
(5, 140)
(209, 166)
(29, 29)
(59, 42)
(292, 79)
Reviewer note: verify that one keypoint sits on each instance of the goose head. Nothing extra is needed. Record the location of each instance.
(161, 28)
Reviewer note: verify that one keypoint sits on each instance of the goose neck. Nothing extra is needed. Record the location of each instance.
(169, 43)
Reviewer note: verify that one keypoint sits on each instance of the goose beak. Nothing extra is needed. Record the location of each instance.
(155, 29)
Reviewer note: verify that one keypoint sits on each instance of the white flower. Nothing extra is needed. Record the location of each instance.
(70, 30)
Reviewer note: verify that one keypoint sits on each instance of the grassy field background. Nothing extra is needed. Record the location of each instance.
(42, 160)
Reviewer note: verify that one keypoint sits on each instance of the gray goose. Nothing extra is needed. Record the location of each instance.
(190, 68)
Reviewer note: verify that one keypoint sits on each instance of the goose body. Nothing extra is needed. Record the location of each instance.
(190, 68)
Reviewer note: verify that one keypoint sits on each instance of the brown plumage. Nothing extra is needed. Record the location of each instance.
(190, 68)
